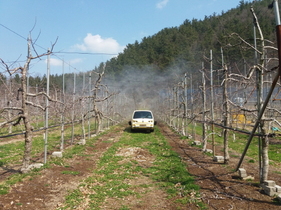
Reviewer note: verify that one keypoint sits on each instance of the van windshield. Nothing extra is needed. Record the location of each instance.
(142, 114)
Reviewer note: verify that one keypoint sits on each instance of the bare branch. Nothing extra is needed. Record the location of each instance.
(15, 121)
(245, 42)
(35, 105)
(45, 94)
(10, 71)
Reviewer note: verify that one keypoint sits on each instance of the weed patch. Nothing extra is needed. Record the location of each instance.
(70, 172)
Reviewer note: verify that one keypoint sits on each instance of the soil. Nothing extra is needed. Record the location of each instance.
(221, 188)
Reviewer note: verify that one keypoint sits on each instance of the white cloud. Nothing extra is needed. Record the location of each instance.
(162, 4)
(97, 44)
(55, 62)
(58, 62)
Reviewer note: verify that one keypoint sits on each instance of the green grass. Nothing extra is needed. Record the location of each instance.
(11, 154)
(74, 150)
(71, 172)
(274, 152)
(237, 145)
(4, 189)
(110, 179)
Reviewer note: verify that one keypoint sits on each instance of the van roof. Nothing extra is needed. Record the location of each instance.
(141, 110)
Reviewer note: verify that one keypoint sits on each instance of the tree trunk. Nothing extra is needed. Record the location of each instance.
(225, 116)
(263, 141)
(98, 120)
(265, 160)
(26, 120)
(204, 112)
(28, 143)
(83, 126)
(98, 115)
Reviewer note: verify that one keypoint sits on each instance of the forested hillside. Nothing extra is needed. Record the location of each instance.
(184, 47)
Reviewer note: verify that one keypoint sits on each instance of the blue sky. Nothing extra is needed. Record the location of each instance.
(99, 28)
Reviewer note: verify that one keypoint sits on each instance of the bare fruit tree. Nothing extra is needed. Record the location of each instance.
(97, 98)
(262, 123)
(23, 110)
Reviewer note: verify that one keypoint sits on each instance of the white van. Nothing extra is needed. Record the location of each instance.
(142, 120)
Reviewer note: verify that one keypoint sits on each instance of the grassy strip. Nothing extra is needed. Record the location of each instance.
(112, 177)
(237, 143)
(13, 153)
